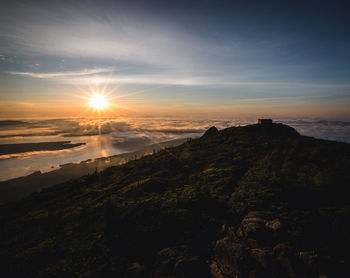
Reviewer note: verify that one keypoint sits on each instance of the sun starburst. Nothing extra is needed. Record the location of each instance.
(98, 102)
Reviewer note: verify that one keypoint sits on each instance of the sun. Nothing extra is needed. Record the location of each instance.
(98, 102)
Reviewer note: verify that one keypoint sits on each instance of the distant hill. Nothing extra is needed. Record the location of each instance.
(253, 201)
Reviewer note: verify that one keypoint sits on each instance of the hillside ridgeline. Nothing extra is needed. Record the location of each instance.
(253, 201)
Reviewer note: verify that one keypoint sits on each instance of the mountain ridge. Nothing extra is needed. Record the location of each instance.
(198, 208)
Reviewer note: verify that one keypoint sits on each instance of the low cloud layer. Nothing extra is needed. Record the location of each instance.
(156, 129)
(124, 135)
(323, 129)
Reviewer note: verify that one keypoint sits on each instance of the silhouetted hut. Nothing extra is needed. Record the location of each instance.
(264, 121)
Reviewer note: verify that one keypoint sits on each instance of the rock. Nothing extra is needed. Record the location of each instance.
(266, 215)
(191, 267)
(260, 228)
(211, 131)
(166, 260)
(179, 262)
(256, 249)
(274, 224)
(231, 257)
(136, 270)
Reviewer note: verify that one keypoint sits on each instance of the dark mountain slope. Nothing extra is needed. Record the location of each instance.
(254, 201)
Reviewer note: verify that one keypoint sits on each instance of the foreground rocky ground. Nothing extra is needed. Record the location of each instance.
(260, 247)
(254, 201)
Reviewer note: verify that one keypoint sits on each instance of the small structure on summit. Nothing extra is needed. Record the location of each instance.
(264, 121)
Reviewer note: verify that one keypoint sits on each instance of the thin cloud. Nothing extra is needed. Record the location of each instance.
(188, 80)
(63, 74)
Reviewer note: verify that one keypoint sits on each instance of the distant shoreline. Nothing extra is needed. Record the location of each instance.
(17, 188)
(6, 149)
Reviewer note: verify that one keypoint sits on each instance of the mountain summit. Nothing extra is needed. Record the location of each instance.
(252, 201)
(211, 131)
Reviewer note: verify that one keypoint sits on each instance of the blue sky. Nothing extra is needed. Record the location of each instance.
(262, 57)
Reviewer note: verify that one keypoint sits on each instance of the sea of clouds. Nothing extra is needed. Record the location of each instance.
(106, 137)
(147, 129)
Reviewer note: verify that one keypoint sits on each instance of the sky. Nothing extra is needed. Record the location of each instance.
(178, 58)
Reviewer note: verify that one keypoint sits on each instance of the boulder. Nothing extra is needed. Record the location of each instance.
(231, 257)
(260, 228)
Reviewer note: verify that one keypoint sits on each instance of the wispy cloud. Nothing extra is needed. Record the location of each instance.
(99, 76)
(63, 74)
(197, 58)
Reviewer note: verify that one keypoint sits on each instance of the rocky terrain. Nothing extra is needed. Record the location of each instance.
(253, 201)
(260, 247)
